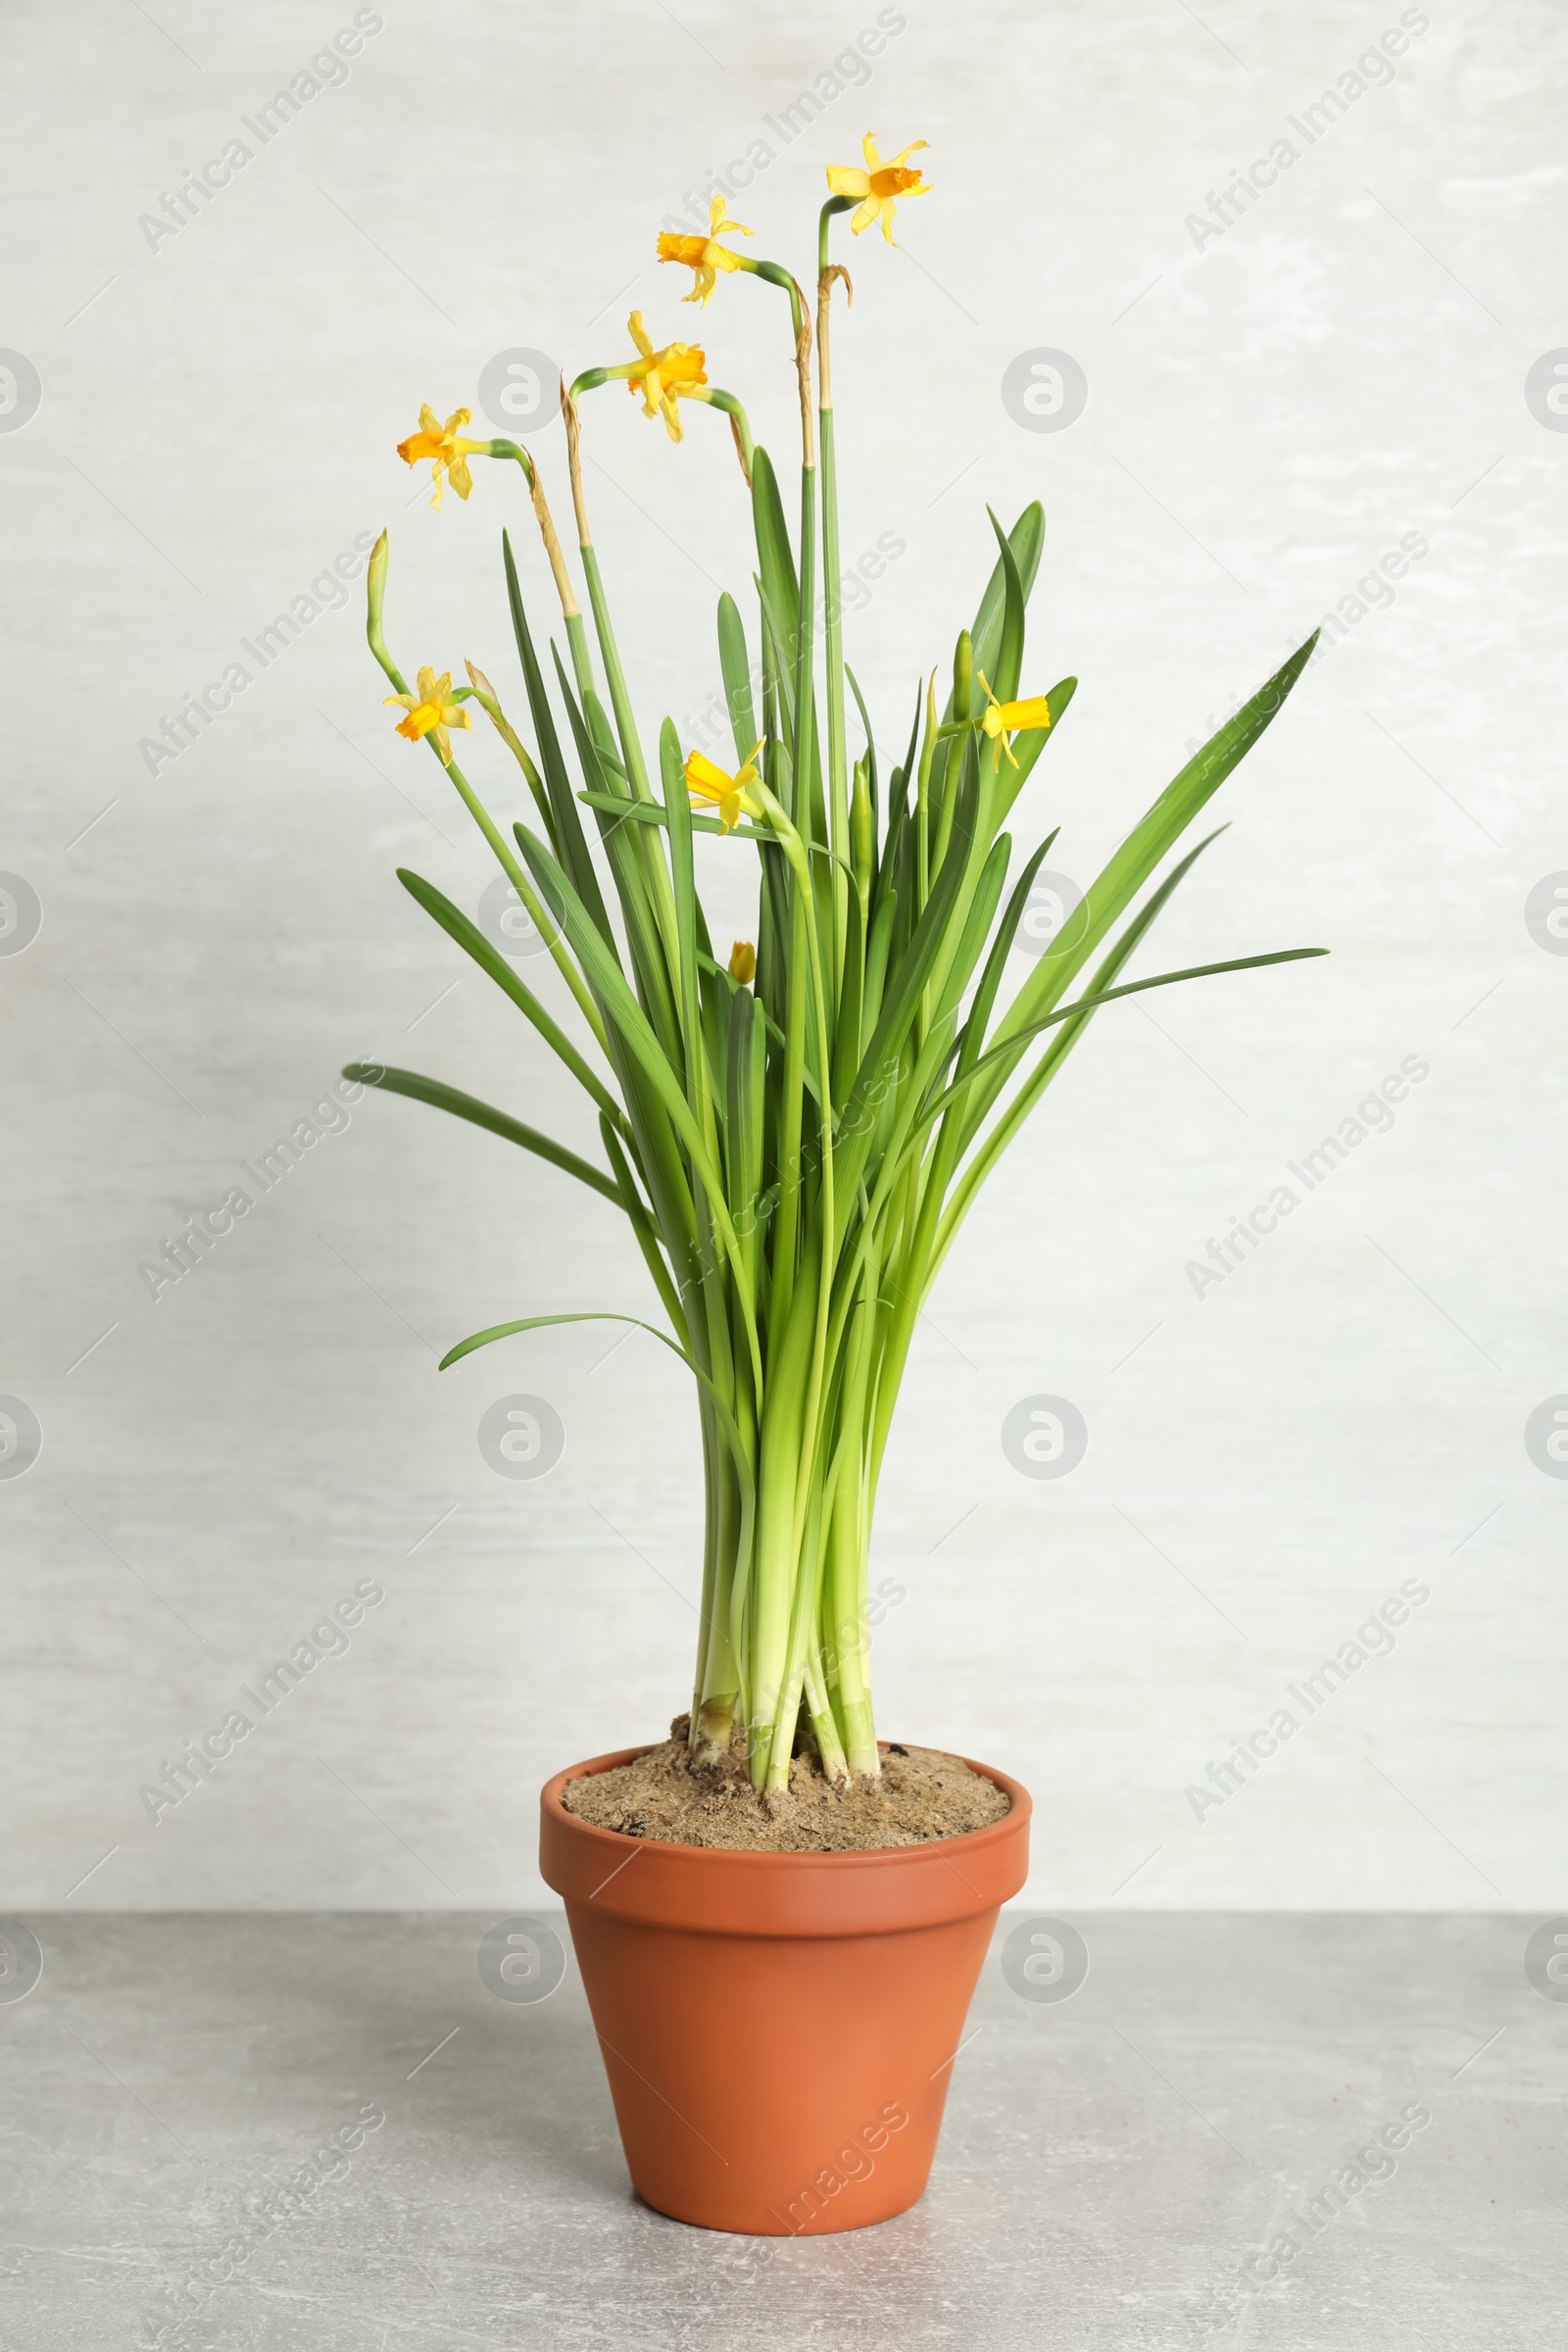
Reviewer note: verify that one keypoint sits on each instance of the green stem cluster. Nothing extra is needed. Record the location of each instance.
(795, 1157)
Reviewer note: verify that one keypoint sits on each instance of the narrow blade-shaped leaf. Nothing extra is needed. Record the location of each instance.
(419, 1089)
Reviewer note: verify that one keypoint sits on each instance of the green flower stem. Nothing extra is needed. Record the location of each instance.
(806, 1530)
(514, 745)
(789, 1539)
(924, 798)
(847, 1618)
(833, 618)
(805, 750)
(825, 1180)
(740, 423)
(783, 1435)
(506, 448)
(720, 1684)
(571, 610)
(717, 1683)
(803, 1672)
(830, 1744)
(834, 205)
(838, 790)
(545, 924)
(592, 378)
(647, 851)
(787, 1218)
(631, 750)
(538, 915)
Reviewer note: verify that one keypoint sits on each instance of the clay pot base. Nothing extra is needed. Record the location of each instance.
(779, 2028)
(921, 1796)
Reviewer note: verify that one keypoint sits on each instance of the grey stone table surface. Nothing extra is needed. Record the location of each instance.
(292, 2130)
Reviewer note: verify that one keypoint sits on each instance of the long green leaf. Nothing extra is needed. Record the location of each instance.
(1132, 987)
(1028, 745)
(1004, 680)
(974, 1028)
(1026, 539)
(726, 1419)
(569, 836)
(902, 995)
(629, 1020)
(678, 820)
(641, 882)
(1051, 1061)
(774, 553)
(482, 1114)
(643, 1227)
(1145, 847)
(472, 941)
(736, 667)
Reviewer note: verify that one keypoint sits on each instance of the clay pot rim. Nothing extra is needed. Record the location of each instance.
(1019, 1809)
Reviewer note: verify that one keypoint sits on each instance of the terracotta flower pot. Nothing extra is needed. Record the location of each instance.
(779, 2030)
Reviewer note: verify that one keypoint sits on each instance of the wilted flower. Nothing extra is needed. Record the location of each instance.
(445, 447)
(705, 255)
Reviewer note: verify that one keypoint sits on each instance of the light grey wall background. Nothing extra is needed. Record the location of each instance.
(1270, 411)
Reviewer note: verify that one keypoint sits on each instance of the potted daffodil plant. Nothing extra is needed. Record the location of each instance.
(780, 1918)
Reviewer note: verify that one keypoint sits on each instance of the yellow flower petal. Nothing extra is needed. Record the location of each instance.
(431, 712)
(743, 962)
(880, 187)
(662, 375)
(1000, 720)
(445, 447)
(706, 781)
(705, 777)
(704, 254)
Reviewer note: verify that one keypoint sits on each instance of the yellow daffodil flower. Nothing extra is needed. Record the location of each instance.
(445, 447)
(431, 712)
(743, 962)
(663, 375)
(730, 795)
(1002, 720)
(705, 255)
(880, 187)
